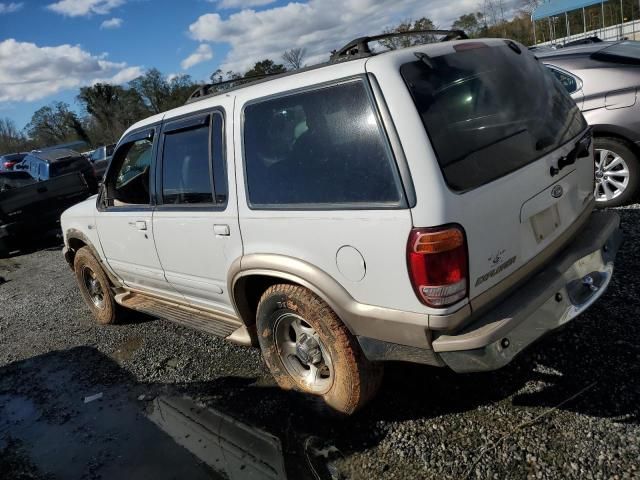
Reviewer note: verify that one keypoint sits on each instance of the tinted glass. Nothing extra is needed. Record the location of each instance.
(317, 148)
(627, 52)
(70, 165)
(489, 111)
(219, 161)
(567, 81)
(132, 177)
(186, 176)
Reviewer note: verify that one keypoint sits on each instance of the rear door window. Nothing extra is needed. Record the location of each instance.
(186, 165)
(490, 110)
(317, 149)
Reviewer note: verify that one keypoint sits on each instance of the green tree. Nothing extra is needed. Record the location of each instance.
(159, 94)
(111, 109)
(404, 41)
(471, 23)
(265, 67)
(54, 124)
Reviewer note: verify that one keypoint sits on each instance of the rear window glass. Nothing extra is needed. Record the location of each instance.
(317, 148)
(70, 165)
(489, 111)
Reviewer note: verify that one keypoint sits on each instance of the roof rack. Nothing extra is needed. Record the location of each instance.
(357, 48)
(206, 89)
(360, 46)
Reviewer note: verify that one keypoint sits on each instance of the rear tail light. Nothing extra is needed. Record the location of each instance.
(8, 165)
(438, 265)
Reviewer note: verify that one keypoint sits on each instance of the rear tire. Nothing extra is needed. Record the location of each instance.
(621, 180)
(95, 287)
(308, 349)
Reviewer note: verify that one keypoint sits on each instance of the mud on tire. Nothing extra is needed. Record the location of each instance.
(91, 280)
(355, 380)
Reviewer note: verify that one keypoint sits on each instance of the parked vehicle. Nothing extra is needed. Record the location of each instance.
(604, 78)
(431, 204)
(100, 158)
(34, 195)
(8, 161)
(47, 164)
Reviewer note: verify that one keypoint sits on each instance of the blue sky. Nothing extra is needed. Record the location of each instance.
(48, 49)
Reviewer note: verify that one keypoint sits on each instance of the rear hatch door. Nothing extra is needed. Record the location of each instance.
(513, 148)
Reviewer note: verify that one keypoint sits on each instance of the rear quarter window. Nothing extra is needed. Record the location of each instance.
(317, 149)
(490, 110)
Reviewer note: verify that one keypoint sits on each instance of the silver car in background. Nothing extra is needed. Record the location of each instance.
(604, 78)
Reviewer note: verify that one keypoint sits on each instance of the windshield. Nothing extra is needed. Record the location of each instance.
(489, 111)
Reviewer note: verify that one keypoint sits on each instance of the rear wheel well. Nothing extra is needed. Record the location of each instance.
(606, 134)
(247, 293)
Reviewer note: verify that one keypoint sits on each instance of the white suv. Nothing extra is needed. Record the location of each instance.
(431, 204)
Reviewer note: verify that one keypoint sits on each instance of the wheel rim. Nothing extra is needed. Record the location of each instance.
(612, 175)
(303, 353)
(93, 287)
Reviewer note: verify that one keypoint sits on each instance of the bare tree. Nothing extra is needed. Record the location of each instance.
(294, 58)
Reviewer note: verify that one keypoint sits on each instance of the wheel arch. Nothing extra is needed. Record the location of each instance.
(250, 276)
(75, 240)
(619, 133)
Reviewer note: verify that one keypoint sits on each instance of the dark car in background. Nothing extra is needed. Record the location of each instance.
(604, 80)
(37, 191)
(9, 160)
(48, 164)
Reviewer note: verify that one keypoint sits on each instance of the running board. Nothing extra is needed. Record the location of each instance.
(219, 324)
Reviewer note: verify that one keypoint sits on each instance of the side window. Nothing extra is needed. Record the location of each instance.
(319, 148)
(186, 175)
(568, 82)
(129, 178)
(193, 164)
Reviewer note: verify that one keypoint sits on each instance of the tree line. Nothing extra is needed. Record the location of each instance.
(106, 110)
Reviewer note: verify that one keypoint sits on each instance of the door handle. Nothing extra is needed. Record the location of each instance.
(139, 224)
(221, 230)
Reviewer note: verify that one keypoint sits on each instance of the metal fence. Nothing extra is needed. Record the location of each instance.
(629, 30)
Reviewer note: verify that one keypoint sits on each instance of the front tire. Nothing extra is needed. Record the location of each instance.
(617, 171)
(308, 349)
(95, 287)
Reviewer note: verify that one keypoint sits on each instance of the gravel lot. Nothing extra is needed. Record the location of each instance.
(567, 408)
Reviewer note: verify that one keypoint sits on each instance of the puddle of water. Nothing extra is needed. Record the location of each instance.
(232, 448)
(127, 349)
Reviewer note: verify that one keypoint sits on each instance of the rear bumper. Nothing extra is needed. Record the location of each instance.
(566, 287)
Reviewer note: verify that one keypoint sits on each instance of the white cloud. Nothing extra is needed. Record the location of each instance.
(80, 8)
(239, 4)
(29, 72)
(10, 7)
(202, 54)
(318, 25)
(111, 23)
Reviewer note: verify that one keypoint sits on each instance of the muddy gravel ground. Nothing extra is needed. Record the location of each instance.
(151, 399)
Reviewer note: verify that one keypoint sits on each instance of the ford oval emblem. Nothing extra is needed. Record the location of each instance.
(557, 191)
